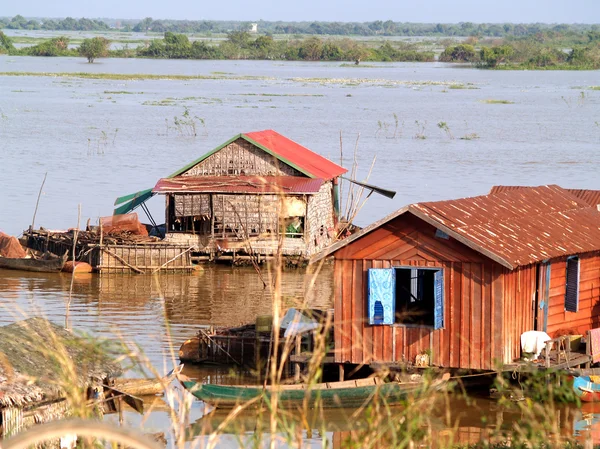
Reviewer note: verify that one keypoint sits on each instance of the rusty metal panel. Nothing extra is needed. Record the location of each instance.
(520, 226)
(287, 185)
(592, 197)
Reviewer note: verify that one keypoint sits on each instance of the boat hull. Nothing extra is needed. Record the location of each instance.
(45, 265)
(320, 395)
(586, 390)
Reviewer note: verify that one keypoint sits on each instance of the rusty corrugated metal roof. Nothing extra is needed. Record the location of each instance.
(592, 197)
(295, 154)
(514, 226)
(519, 226)
(239, 184)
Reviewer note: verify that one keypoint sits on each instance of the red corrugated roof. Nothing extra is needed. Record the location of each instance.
(592, 197)
(239, 184)
(296, 155)
(514, 226)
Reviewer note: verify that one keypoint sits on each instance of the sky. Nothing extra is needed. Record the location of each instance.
(436, 11)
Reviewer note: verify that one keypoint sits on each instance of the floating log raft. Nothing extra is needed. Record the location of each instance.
(118, 252)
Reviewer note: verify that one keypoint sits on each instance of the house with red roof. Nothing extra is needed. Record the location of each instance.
(462, 280)
(255, 194)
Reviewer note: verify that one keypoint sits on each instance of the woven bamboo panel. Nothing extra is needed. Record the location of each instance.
(241, 158)
(192, 205)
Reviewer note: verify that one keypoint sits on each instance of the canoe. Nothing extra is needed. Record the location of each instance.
(351, 393)
(47, 263)
(586, 389)
(145, 387)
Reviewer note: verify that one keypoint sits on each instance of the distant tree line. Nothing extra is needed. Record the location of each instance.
(541, 51)
(375, 28)
(238, 45)
(68, 24)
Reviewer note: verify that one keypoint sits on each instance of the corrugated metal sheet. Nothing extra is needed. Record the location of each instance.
(239, 184)
(513, 225)
(519, 226)
(592, 197)
(296, 155)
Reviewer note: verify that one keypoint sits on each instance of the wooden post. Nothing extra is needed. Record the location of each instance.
(548, 346)
(588, 349)
(341, 371)
(297, 351)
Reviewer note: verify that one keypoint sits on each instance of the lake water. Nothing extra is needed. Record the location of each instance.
(98, 139)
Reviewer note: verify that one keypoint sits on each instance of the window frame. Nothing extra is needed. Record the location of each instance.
(414, 325)
(566, 299)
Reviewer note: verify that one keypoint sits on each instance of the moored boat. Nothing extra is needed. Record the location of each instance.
(351, 393)
(587, 388)
(47, 263)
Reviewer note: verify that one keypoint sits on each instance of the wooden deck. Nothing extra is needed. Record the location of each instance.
(558, 354)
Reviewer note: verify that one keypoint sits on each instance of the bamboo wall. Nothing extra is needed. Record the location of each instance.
(588, 315)
(241, 158)
(147, 257)
(320, 226)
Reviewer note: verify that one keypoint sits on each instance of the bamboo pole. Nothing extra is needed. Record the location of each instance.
(37, 203)
(171, 260)
(120, 259)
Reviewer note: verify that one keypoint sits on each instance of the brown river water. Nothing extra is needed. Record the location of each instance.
(101, 138)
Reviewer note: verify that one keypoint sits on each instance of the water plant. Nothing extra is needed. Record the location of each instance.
(443, 126)
(420, 130)
(491, 101)
(186, 125)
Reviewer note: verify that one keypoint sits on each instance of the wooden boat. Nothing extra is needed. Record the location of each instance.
(145, 387)
(586, 388)
(351, 393)
(47, 263)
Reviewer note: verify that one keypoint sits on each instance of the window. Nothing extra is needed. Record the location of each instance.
(406, 296)
(572, 285)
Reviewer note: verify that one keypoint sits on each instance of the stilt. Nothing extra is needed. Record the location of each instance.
(341, 370)
(298, 349)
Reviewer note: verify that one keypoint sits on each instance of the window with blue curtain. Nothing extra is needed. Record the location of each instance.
(382, 295)
(408, 295)
(572, 286)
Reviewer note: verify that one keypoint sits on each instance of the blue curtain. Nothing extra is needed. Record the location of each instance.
(438, 319)
(382, 296)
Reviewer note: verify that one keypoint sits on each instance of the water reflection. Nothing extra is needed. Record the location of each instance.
(148, 310)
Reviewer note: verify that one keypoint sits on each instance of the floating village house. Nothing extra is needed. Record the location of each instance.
(461, 280)
(241, 197)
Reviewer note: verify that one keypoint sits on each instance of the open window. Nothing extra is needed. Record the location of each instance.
(406, 295)
(572, 287)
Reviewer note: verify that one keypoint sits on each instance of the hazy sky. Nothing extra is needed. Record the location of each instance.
(550, 11)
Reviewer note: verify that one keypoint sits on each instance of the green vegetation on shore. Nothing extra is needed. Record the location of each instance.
(239, 45)
(544, 51)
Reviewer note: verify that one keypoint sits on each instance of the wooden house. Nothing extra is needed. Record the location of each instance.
(461, 280)
(254, 194)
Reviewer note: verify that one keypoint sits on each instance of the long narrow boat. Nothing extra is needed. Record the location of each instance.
(47, 263)
(586, 389)
(351, 393)
(145, 387)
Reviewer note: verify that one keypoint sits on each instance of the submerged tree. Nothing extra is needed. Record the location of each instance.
(94, 48)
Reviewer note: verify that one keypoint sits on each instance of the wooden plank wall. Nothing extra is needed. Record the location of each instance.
(472, 333)
(588, 316)
(519, 308)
